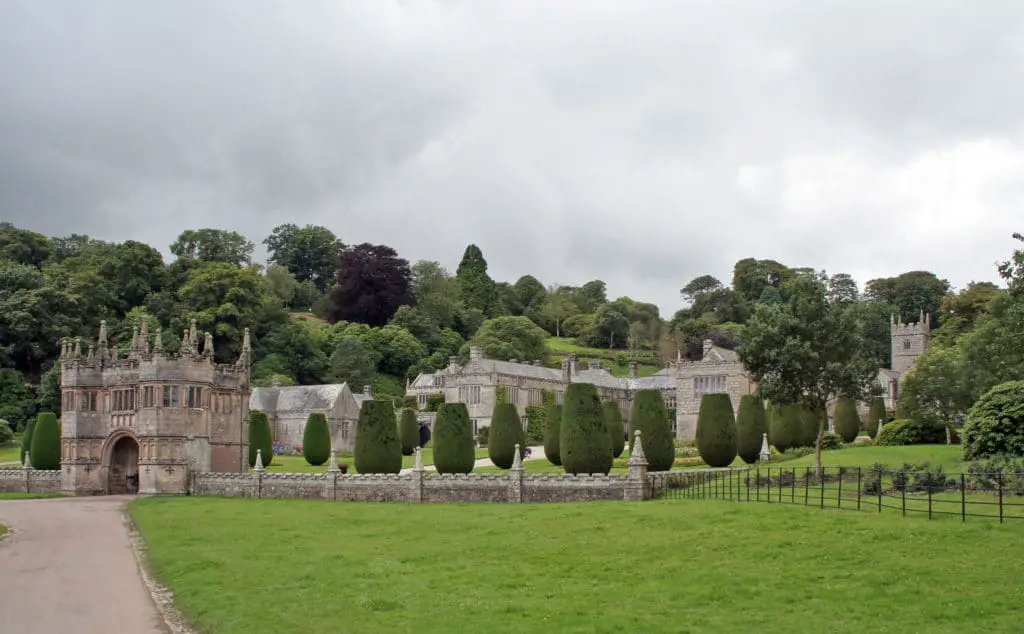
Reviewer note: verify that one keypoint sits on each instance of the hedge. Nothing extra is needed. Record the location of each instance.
(845, 419)
(649, 416)
(616, 430)
(45, 447)
(716, 430)
(876, 413)
(260, 438)
(906, 431)
(995, 423)
(584, 445)
(751, 425)
(506, 432)
(316, 440)
(454, 447)
(408, 431)
(553, 435)
(378, 446)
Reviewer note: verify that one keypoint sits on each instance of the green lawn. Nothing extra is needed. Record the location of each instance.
(664, 566)
(298, 464)
(29, 496)
(950, 457)
(10, 454)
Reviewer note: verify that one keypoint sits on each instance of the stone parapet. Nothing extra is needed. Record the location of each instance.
(21, 480)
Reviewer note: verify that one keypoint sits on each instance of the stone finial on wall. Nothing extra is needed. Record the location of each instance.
(158, 341)
(475, 353)
(517, 460)
(708, 344)
(766, 452)
(417, 464)
(636, 454)
(259, 461)
(28, 462)
(332, 465)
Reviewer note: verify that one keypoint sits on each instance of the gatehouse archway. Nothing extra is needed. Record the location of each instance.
(424, 435)
(123, 466)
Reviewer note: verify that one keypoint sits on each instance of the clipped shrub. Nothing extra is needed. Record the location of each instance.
(830, 441)
(26, 439)
(536, 421)
(906, 431)
(808, 427)
(260, 438)
(616, 430)
(506, 433)
(786, 427)
(584, 445)
(434, 402)
(876, 413)
(408, 431)
(454, 450)
(45, 447)
(716, 430)
(378, 446)
(316, 439)
(553, 434)
(751, 425)
(649, 415)
(995, 423)
(845, 420)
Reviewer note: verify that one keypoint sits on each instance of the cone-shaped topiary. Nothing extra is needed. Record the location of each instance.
(876, 412)
(786, 430)
(845, 420)
(26, 439)
(751, 424)
(316, 439)
(716, 430)
(616, 430)
(506, 433)
(408, 431)
(584, 445)
(649, 415)
(45, 446)
(454, 447)
(260, 438)
(378, 448)
(553, 435)
(808, 427)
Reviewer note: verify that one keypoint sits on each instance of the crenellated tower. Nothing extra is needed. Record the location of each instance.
(909, 341)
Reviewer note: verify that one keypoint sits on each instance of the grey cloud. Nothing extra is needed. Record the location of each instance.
(570, 140)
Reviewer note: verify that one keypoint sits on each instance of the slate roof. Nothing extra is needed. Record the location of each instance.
(721, 354)
(302, 398)
(519, 369)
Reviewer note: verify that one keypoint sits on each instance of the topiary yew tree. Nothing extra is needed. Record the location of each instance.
(876, 413)
(649, 416)
(808, 426)
(45, 446)
(260, 438)
(26, 439)
(787, 429)
(616, 430)
(506, 433)
(845, 419)
(408, 431)
(751, 425)
(995, 424)
(716, 430)
(553, 434)
(378, 447)
(454, 446)
(316, 440)
(584, 445)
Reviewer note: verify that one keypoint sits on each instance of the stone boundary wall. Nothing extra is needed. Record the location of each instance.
(21, 480)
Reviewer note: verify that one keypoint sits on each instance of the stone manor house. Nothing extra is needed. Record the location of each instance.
(287, 409)
(682, 382)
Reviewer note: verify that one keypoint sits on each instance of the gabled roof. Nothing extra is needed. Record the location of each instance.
(487, 366)
(720, 355)
(600, 378)
(301, 398)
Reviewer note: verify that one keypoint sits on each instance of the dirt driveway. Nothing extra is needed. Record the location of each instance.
(68, 568)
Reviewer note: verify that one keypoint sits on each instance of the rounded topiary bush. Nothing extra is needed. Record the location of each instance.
(454, 447)
(751, 425)
(616, 430)
(316, 440)
(45, 446)
(260, 438)
(408, 431)
(876, 414)
(995, 423)
(845, 419)
(378, 447)
(26, 439)
(716, 430)
(649, 415)
(786, 427)
(908, 431)
(506, 433)
(553, 435)
(584, 445)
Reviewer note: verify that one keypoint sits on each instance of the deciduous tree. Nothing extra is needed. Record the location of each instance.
(372, 283)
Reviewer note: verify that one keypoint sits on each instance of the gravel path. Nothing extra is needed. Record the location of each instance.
(67, 566)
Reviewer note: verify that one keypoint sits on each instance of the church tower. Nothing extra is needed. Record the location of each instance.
(909, 341)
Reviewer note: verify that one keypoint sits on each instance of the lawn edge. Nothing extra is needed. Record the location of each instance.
(163, 599)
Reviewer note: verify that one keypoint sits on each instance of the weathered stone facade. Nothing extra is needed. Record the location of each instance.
(288, 409)
(20, 480)
(718, 371)
(147, 421)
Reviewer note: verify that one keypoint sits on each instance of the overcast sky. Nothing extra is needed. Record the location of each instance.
(642, 143)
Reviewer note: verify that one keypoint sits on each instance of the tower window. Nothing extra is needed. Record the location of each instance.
(906, 344)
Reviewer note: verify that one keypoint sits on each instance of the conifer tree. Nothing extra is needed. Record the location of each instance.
(787, 430)
(876, 413)
(751, 424)
(716, 430)
(45, 448)
(316, 440)
(584, 445)
(260, 438)
(378, 447)
(476, 288)
(616, 430)
(649, 415)
(553, 434)
(454, 446)
(408, 431)
(506, 432)
(845, 420)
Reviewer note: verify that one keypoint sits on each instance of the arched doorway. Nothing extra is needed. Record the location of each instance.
(123, 473)
(424, 435)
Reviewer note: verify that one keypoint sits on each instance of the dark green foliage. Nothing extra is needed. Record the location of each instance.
(584, 445)
(6, 433)
(483, 436)
(845, 419)
(911, 432)
(751, 424)
(876, 413)
(316, 440)
(408, 431)
(454, 450)
(536, 416)
(995, 424)
(434, 402)
(372, 283)
(378, 447)
(616, 430)
(830, 441)
(45, 446)
(787, 427)
(26, 439)
(506, 433)
(716, 430)
(553, 434)
(649, 415)
(808, 427)
(260, 438)
(410, 402)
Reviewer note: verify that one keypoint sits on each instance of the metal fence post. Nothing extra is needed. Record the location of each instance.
(903, 492)
(929, 500)
(1000, 497)
(881, 472)
(807, 486)
(859, 487)
(769, 485)
(792, 487)
(821, 476)
(757, 484)
(963, 498)
(839, 496)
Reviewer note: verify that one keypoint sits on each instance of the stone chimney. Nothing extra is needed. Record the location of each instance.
(367, 390)
(453, 361)
(474, 353)
(708, 344)
(633, 373)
